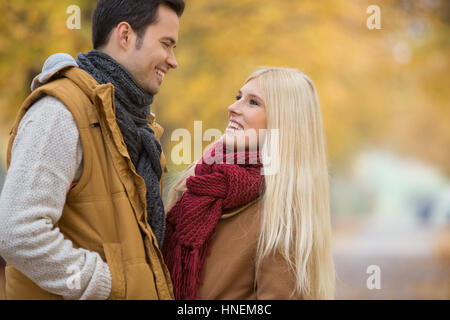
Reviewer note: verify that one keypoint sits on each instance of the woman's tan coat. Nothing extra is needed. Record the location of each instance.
(230, 268)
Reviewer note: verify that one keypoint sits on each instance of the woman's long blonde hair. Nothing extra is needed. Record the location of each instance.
(295, 212)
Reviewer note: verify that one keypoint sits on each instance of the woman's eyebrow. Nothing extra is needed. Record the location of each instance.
(258, 98)
(255, 96)
(251, 95)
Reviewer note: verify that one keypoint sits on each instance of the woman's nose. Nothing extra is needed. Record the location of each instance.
(234, 108)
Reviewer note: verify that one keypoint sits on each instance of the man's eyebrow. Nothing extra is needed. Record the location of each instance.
(172, 40)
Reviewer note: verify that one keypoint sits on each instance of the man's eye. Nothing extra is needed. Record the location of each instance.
(166, 44)
(238, 97)
(252, 101)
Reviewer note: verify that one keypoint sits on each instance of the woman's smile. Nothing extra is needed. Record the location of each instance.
(234, 126)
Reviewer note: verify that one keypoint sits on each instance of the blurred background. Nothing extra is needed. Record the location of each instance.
(384, 97)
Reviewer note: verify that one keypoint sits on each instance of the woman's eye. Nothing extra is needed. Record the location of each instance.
(238, 97)
(166, 44)
(252, 101)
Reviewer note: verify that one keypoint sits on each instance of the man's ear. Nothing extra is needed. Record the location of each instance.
(124, 35)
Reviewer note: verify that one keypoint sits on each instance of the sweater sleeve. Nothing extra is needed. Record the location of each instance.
(46, 158)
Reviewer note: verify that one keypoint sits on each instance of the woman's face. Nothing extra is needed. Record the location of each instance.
(247, 117)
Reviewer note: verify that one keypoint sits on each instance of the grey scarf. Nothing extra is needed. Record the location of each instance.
(132, 109)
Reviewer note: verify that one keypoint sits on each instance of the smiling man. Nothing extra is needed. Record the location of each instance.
(146, 53)
(81, 215)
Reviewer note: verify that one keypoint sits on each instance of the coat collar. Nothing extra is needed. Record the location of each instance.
(235, 211)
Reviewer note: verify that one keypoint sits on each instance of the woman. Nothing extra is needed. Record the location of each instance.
(234, 233)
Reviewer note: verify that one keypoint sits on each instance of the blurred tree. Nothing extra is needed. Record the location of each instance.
(30, 32)
(386, 88)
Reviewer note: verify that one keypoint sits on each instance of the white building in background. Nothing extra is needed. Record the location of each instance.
(403, 189)
(403, 204)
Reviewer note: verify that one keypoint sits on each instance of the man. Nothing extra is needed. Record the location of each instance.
(81, 215)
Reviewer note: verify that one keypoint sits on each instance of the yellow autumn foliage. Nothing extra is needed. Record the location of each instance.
(386, 88)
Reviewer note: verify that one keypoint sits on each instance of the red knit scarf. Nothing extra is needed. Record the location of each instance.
(192, 221)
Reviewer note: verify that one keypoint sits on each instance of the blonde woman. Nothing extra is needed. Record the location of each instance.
(236, 230)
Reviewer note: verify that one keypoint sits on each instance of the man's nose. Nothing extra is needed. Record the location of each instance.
(172, 61)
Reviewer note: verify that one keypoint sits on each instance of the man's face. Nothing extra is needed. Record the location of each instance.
(151, 57)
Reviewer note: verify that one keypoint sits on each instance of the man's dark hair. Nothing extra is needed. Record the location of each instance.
(138, 13)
